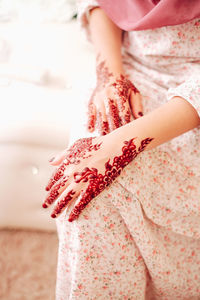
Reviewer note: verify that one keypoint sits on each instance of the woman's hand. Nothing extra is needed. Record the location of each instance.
(89, 166)
(114, 102)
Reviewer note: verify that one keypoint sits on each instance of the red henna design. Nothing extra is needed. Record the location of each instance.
(103, 126)
(127, 116)
(122, 88)
(115, 121)
(123, 85)
(55, 177)
(55, 192)
(91, 116)
(103, 77)
(98, 182)
(62, 204)
(85, 175)
(143, 144)
(77, 151)
(103, 74)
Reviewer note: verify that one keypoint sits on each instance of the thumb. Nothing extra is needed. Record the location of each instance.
(58, 158)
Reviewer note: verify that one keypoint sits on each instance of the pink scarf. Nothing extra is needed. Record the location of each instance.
(148, 14)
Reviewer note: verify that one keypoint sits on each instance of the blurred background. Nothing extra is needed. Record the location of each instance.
(46, 73)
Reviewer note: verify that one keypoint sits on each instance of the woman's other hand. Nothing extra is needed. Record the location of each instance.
(114, 102)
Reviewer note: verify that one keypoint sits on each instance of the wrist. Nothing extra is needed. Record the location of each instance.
(116, 70)
(108, 70)
(126, 148)
(135, 130)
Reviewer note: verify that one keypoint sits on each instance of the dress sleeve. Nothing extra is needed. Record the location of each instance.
(189, 90)
(84, 6)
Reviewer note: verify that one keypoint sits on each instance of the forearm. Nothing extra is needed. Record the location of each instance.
(106, 37)
(163, 124)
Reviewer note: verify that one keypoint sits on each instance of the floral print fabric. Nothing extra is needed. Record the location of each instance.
(140, 238)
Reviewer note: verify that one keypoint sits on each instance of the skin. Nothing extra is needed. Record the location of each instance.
(92, 180)
(170, 120)
(107, 41)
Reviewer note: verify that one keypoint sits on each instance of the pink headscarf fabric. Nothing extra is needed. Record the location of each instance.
(148, 14)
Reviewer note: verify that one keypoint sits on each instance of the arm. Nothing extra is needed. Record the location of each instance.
(163, 124)
(170, 120)
(106, 37)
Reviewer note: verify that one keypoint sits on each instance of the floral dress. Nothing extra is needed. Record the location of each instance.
(140, 238)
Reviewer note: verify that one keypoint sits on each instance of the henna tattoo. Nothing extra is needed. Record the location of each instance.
(63, 203)
(143, 144)
(98, 182)
(127, 116)
(103, 78)
(103, 74)
(103, 126)
(114, 118)
(55, 192)
(79, 150)
(56, 176)
(91, 115)
(122, 87)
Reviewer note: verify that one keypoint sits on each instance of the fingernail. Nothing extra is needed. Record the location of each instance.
(52, 159)
(140, 114)
(44, 205)
(53, 216)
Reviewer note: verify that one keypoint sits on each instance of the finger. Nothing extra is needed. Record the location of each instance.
(136, 104)
(102, 126)
(63, 202)
(57, 159)
(95, 187)
(55, 192)
(125, 113)
(85, 198)
(102, 122)
(73, 190)
(78, 151)
(57, 175)
(91, 117)
(112, 113)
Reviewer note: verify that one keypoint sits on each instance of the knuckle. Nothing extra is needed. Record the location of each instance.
(109, 92)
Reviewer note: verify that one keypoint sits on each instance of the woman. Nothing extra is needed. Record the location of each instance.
(139, 236)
